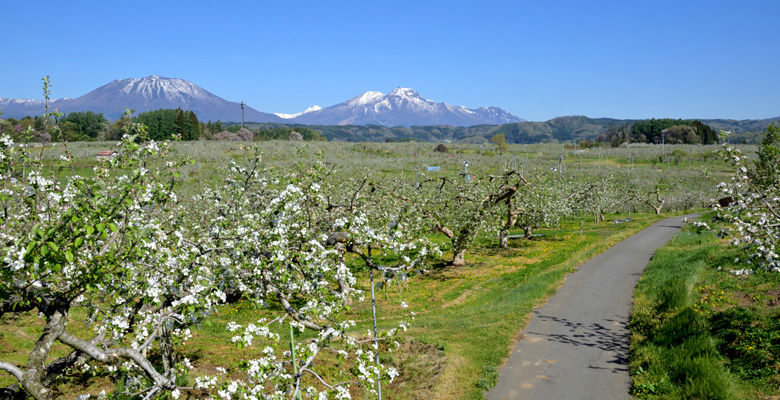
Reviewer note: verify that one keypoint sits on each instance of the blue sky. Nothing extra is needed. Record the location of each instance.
(536, 59)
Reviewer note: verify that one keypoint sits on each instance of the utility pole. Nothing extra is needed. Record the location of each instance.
(242, 113)
(663, 143)
(599, 158)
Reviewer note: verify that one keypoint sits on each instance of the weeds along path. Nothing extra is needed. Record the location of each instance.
(576, 346)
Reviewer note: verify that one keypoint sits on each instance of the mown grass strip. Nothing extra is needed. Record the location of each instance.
(477, 320)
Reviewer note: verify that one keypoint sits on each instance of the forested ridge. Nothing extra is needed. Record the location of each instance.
(80, 126)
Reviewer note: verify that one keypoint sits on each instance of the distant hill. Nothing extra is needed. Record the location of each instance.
(570, 128)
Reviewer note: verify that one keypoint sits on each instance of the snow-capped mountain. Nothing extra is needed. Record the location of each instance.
(145, 94)
(19, 108)
(291, 116)
(402, 107)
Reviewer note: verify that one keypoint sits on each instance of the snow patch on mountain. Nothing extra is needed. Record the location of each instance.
(290, 116)
(365, 98)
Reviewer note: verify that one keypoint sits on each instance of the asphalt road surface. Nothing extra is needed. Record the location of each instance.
(576, 346)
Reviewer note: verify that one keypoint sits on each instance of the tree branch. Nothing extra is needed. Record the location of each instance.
(13, 369)
(112, 355)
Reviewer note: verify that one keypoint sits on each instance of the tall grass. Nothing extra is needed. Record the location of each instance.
(692, 330)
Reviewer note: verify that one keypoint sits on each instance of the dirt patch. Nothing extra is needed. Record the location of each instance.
(742, 299)
(420, 368)
(462, 298)
(772, 299)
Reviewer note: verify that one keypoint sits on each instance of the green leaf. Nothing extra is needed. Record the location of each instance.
(69, 256)
(101, 227)
(90, 230)
(53, 246)
(78, 242)
(112, 226)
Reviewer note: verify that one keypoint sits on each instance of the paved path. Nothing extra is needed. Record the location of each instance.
(576, 346)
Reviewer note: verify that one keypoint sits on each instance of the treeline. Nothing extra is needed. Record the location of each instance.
(265, 132)
(673, 131)
(162, 124)
(76, 126)
(597, 131)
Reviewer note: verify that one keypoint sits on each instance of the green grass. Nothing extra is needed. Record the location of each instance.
(467, 321)
(468, 318)
(699, 331)
(475, 313)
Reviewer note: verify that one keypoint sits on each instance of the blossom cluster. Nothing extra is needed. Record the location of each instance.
(753, 208)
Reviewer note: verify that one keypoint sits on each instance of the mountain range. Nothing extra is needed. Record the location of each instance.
(401, 107)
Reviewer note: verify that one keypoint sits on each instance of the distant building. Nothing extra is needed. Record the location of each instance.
(106, 154)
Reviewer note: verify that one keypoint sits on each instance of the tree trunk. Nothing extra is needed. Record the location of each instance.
(343, 285)
(504, 239)
(32, 380)
(527, 232)
(660, 202)
(166, 347)
(459, 258)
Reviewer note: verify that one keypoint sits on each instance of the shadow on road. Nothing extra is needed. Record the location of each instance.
(613, 340)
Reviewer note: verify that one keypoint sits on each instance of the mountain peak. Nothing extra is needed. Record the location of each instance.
(291, 116)
(404, 92)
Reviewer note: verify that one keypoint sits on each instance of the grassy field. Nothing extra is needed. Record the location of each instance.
(467, 318)
(701, 327)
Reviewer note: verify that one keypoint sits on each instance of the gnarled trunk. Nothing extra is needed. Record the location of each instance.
(504, 239)
(459, 258)
(32, 379)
